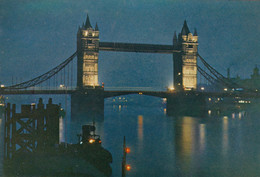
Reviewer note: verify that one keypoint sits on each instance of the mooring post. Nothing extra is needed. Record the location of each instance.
(7, 131)
(33, 111)
(124, 159)
(40, 114)
(13, 122)
(52, 123)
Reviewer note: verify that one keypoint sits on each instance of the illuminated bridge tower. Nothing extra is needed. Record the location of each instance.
(89, 96)
(88, 50)
(185, 62)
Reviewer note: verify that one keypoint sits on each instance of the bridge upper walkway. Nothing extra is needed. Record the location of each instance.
(132, 47)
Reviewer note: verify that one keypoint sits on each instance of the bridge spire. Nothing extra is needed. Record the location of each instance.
(195, 32)
(96, 28)
(185, 29)
(87, 24)
(175, 40)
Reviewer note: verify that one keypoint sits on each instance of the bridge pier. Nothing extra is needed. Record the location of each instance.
(186, 103)
(89, 101)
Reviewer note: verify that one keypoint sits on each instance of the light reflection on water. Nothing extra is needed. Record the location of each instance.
(62, 131)
(212, 145)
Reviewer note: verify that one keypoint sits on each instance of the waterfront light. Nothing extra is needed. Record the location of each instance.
(209, 112)
(127, 150)
(128, 167)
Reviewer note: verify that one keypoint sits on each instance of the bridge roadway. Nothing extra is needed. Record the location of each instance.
(132, 47)
(161, 94)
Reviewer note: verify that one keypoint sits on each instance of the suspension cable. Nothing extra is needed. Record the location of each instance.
(42, 77)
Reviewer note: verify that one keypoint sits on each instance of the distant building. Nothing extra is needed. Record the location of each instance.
(185, 62)
(252, 83)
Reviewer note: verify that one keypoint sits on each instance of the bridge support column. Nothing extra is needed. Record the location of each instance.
(182, 103)
(88, 102)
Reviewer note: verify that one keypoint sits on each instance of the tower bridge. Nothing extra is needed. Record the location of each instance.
(185, 70)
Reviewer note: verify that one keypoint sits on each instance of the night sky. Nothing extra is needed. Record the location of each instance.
(35, 36)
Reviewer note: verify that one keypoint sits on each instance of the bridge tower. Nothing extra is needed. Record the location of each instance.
(88, 50)
(89, 96)
(185, 62)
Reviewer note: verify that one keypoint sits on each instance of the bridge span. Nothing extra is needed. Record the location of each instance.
(114, 93)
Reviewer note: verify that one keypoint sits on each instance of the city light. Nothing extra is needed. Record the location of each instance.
(209, 112)
(128, 167)
(225, 89)
(202, 88)
(171, 89)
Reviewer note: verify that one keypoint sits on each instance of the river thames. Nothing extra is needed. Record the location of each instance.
(214, 144)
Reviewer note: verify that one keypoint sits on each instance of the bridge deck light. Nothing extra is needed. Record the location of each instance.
(171, 89)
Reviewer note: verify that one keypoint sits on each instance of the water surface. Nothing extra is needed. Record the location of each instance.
(225, 144)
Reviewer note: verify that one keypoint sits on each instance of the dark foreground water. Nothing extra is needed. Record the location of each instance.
(225, 144)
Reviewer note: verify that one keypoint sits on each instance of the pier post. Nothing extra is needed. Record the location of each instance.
(89, 101)
(186, 103)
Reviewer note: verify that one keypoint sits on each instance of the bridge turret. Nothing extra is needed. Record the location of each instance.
(87, 53)
(175, 40)
(185, 62)
(87, 24)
